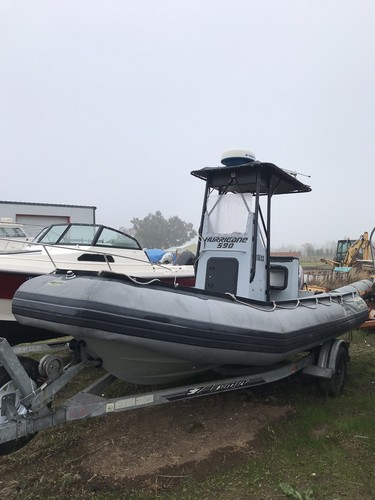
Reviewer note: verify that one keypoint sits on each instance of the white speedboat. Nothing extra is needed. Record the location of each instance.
(12, 235)
(75, 246)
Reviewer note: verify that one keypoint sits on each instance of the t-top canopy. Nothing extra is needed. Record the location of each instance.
(273, 180)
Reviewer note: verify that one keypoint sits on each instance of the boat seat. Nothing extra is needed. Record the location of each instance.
(284, 275)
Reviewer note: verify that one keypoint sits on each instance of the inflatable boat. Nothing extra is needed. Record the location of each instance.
(248, 309)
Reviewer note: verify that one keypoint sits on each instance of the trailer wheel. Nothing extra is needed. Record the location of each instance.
(6, 387)
(333, 386)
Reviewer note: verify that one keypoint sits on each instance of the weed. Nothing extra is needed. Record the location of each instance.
(292, 492)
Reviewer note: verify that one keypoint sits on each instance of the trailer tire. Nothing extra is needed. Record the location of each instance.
(334, 385)
(31, 367)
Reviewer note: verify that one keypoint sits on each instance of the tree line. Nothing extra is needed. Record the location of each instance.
(310, 249)
(155, 231)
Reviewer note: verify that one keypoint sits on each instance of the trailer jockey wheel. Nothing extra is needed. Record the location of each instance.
(7, 387)
(333, 386)
(51, 367)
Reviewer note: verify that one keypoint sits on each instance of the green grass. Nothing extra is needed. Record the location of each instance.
(324, 449)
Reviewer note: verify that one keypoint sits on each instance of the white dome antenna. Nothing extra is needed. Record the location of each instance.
(235, 157)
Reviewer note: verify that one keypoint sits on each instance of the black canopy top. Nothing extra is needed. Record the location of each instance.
(273, 180)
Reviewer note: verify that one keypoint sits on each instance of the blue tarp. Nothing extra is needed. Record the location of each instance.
(155, 254)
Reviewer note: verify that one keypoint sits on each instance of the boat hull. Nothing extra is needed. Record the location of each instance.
(158, 333)
(15, 333)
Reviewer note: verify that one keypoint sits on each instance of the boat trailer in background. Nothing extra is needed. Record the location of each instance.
(28, 387)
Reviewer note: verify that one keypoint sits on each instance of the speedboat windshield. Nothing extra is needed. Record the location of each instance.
(86, 235)
(12, 232)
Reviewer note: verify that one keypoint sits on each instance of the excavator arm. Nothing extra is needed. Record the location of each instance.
(351, 256)
(330, 262)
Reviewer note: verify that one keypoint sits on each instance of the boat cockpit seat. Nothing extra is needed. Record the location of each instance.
(284, 277)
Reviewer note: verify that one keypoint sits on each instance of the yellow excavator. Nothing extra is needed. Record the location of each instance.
(352, 253)
(357, 256)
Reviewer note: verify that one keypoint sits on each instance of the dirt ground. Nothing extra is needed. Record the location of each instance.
(150, 448)
(174, 439)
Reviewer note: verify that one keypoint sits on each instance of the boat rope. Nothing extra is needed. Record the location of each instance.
(303, 304)
(329, 301)
(234, 298)
(350, 299)
(134, 280)
(294, 307)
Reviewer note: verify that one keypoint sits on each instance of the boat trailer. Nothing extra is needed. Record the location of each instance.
(28, 387)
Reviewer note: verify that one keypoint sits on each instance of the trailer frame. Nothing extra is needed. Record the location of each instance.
(38, 414)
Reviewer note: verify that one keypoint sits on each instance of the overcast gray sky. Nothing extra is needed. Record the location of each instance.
(112, 103)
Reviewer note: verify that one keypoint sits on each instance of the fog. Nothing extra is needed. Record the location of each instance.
(114, 103)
